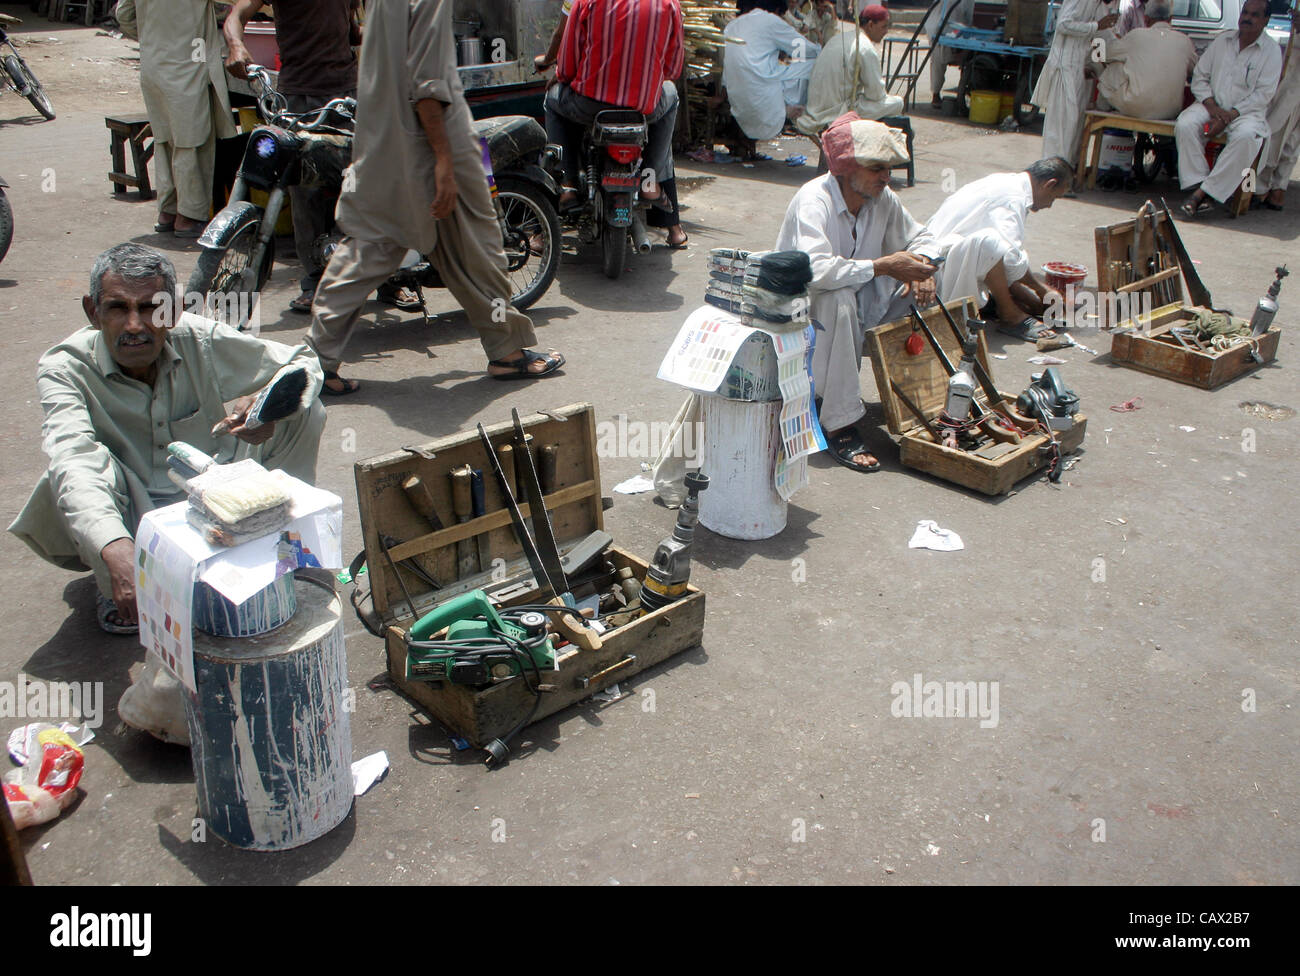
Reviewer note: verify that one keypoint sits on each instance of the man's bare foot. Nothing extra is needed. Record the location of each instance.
(677, 238)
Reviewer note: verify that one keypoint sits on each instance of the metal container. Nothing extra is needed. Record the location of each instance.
(270, 735)
(470, 50)
(261, 613)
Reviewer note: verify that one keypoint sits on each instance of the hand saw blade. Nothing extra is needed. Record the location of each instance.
(517, 517)
(542, 530)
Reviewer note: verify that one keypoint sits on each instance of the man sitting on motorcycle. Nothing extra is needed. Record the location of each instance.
(419, 184)
(618, 54)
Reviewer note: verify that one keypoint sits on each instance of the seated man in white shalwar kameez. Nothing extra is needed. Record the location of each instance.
(1284, 127)
(766, 73)
(847, 76)
(1233, 84)
(869, 261)
(980, 230)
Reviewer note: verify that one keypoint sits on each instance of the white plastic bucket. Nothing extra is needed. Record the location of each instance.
(741, 440)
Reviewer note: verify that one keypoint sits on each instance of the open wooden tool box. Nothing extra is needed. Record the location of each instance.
(993, 468)
(1137, 258)
(564, 447)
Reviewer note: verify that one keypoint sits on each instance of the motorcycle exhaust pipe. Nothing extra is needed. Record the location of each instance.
(640, 236)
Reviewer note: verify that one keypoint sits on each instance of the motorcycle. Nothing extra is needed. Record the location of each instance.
(611, 210)
(314, 149)
(19, 77)
(6, 221)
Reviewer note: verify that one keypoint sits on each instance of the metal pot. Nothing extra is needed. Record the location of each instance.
(470, 50)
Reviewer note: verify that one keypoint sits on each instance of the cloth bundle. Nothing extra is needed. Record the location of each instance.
(1207, 323)
(765, 288)
(236, 503)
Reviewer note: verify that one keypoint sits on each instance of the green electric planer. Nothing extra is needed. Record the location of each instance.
(481, 644)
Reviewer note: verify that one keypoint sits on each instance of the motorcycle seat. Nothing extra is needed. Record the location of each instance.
(615, 126)
(510, 138)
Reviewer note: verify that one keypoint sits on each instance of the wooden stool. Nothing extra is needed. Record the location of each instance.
(131, 130)
(904, 124)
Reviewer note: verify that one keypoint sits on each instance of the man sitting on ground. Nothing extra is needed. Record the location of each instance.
(870, 258)
(117, 392)
(847, 77)
(1233, 84)
(981, 233)
(1147, 68)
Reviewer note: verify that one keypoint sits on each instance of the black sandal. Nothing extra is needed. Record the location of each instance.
(349, 386)
(519, 367)
(845, 446)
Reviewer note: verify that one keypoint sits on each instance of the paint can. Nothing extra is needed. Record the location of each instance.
(270, 737)
(741, 441)
(261, 613)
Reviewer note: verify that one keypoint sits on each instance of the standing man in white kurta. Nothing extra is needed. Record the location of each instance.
(184, 88)
(762, 89)
(418, 184)
(869, 261)
(980, 230)
(1062, 89)
(1283, 126)
(1233, 84)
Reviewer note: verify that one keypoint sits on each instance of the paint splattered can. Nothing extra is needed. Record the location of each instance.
(261, 613)
(269, 726)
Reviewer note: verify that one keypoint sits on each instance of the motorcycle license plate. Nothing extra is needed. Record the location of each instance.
(622, 181)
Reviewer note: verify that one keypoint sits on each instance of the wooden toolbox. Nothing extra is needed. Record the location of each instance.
(1142, 339)
(480, 714)
(1147, 344)
(1136, 259)
(923, 380)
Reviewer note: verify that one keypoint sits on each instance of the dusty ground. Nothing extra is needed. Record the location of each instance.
(1120, 700)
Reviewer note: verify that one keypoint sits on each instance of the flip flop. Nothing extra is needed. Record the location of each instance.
(844, 446)
(519, 367)
(679, 246)
(110, 621)
(191, 232)
(161, 228)
(1028, 329)
(1191, 213)
(303, 302)
(349, 386)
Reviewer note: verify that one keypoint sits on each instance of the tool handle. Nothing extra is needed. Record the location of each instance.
(421, 499)
(506, 454)
(476, 493)
(574, 626)
(461, 498)
(548, 470)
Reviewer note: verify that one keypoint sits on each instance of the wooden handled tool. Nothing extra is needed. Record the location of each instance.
(463, 505)
(573, 626)
(506, 454)
(548, 467)
(421, 499)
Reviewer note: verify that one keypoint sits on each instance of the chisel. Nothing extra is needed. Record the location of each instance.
(421, 499)
(462, 504)
(478, 507)
(548, 467)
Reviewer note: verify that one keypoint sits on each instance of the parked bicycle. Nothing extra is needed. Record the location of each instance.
(18, 76)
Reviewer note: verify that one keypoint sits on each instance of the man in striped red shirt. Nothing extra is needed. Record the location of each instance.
(618, 54)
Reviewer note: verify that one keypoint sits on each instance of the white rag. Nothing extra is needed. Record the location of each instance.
(928, 535)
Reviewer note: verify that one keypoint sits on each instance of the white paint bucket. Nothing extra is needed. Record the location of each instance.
(739, 453)
(270, 736)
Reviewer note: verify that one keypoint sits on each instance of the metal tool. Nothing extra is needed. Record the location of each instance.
(669, 572)
(542, 530)
(916, 412)
(1196, 290)
(478, 507)
(462, 504)
(1267, 306)
(988, 422)
(421, 499)
(549, 467)
(545, 587)
(986, 382)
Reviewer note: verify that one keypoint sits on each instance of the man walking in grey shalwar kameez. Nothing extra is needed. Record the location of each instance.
(418, 183)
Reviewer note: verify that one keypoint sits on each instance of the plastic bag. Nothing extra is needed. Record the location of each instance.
(669, 468)
(43, 788)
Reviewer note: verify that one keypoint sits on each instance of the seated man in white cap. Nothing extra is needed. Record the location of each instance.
(980, 230)
(870, 259)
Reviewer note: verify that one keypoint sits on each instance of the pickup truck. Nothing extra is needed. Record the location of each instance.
(1202, 19)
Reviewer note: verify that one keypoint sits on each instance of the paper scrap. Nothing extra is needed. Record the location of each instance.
(1046, 361)
(928, 535)
(1187, 429)
(635, 485)
(366, 772)
(610, 694)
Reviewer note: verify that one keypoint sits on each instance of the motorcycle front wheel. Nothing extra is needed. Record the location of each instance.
(216, 276)
(26, 83)
(532, 240)
(6, 225)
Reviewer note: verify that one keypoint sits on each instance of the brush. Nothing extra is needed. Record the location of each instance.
(280, 398)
